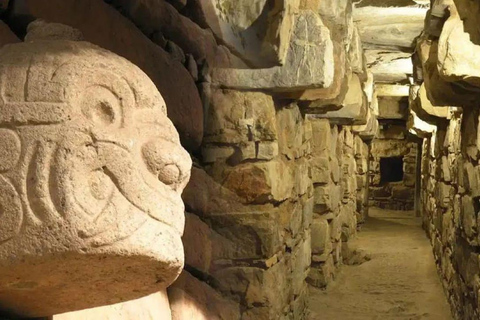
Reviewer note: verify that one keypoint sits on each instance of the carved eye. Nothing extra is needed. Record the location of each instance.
(101, 106)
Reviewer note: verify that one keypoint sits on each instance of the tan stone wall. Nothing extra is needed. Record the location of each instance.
(450, 194)
(256, 193)
(339, 167)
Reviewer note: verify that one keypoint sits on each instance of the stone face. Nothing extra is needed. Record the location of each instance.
(104, 26)
(88, 133)
(308, 63)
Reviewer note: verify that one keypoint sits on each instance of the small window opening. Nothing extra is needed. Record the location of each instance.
(391, 169)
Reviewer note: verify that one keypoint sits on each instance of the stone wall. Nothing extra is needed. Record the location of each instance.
(253, 200)
(335, 154)
(445, 114)
(392, 141)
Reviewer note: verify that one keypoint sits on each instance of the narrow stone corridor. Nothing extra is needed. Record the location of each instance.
(399, 281)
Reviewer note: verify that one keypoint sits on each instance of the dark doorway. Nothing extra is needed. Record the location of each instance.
(391, 169)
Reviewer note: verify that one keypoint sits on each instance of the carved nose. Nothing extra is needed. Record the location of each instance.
(166, 160)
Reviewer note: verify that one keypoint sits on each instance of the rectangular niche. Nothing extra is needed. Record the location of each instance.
(391, 169)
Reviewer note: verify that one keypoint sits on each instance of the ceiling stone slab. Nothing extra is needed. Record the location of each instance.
(309, 62)
(389, 66)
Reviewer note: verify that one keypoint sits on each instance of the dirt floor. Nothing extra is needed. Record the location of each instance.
(399, 282)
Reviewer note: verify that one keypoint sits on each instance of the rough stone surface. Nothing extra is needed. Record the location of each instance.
(257, 30)
(308, 63)
(102, 209)
(458, 55)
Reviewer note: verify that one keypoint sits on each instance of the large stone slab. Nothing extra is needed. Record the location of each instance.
(353, 108)
(369, 130)
(418, 127)
(309, 62)
(257, 30)
(161, 19)
(393, 28)
(389, 66)
(424, 109)
(337, 15)
(338, 87)
(458, 56)
(439, 91)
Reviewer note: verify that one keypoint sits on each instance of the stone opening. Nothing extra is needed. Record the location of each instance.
(391, 169)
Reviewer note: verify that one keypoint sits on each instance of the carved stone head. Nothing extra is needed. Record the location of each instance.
(91, 173)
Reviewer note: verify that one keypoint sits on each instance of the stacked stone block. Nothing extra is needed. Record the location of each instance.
(361, 157)
(335, 151)
(258, 208)
(450, 193)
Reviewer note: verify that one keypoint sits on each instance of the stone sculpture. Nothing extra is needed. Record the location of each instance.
(91, 172)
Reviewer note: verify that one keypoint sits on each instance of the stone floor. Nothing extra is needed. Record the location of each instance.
(399, 282)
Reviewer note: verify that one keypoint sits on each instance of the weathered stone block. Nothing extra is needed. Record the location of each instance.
(290, 137)
(301, 261)
(321, 243)
(321, 170)
(321, 136)
(309, 62)
(197, 243)
(238, 117)
(257, 30)
(257, 286)
(322, 274)
(259, 182)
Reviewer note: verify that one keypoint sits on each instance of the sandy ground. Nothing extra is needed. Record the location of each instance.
(399, 282)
